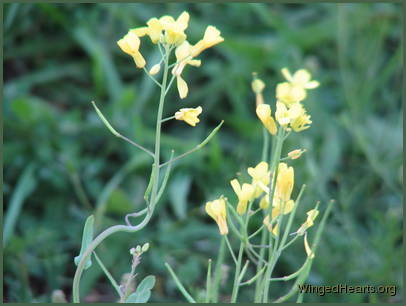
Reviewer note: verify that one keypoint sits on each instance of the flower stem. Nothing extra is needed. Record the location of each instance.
(158, 129)
(272, 253)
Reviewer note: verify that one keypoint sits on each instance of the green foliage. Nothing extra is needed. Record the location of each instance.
(143, 291)
(60, 57)
(87, 238)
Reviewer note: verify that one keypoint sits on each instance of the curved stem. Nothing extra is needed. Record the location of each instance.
(99, 239)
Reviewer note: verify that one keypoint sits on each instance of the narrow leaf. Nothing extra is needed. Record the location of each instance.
(86, 241)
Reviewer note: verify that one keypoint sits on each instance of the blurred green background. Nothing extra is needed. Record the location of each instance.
(61, 164)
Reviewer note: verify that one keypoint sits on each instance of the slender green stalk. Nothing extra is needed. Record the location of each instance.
(208, 283)
(117, 134)
(158, 128)
(198, 147)
(168, 118)
(218, 272)
(109, 276)
(182, 289)
(236, 285)
(230, 249)
(273, 254)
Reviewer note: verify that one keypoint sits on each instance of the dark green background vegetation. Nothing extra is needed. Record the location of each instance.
(61, 164)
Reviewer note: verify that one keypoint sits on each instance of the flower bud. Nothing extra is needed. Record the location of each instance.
(145, 247)
(257, 86)
(155, 69)
(295, 154)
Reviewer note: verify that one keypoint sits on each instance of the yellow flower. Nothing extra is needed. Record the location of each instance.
(183, 58)
(295, 115)
(309, 251)
(283, 191)
(294, 90)
(295, 154)
(258, 86)
(217, 210)
(244, 194)
(153, 30)
(276, 211)
(264, 114)
(212, 36)
(284, 183)
(174, 30)
(260, 178)
(282, 114)
(299, 119)
(130, 44)
(277, 204)
(300, 78)
(311, 216)
(189, 115)
(288, 93)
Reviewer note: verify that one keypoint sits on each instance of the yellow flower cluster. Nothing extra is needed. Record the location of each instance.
(170, 33)
(290, 113)
(247, 192)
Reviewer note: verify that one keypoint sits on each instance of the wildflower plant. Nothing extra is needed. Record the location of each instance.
(169, 36)
(269, 196)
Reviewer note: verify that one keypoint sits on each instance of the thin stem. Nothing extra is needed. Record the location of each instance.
(165, 180)
(151, 77)
(208, 283)
(168, 118)
(182, 289)
(230, 249)
(198, 147)
(109, 276)
(236, 286)
(117, 134)
(254, 278)
(158, 129)
(273, 254)
(256, 232)
(99, 239)
(170, 84)
(292, 215)
(282, 248)
(218, 271)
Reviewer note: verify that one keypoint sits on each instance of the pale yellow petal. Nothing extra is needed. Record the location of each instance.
(182, 87)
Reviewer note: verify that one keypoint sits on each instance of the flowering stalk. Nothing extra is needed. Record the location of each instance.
(168, 34)
(272, 184)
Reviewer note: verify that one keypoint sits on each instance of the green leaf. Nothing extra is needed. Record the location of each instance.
(26, 184)
(143, 292)
(86, 241)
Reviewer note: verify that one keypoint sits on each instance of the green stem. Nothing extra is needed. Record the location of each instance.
(99, 239)
(273, 254)
(109, 276)
(230, 249)
(182, 289)
(168, 118)
(208, 283)
(236, 284)
(198, 147)
(218, 271)
(158, 129)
